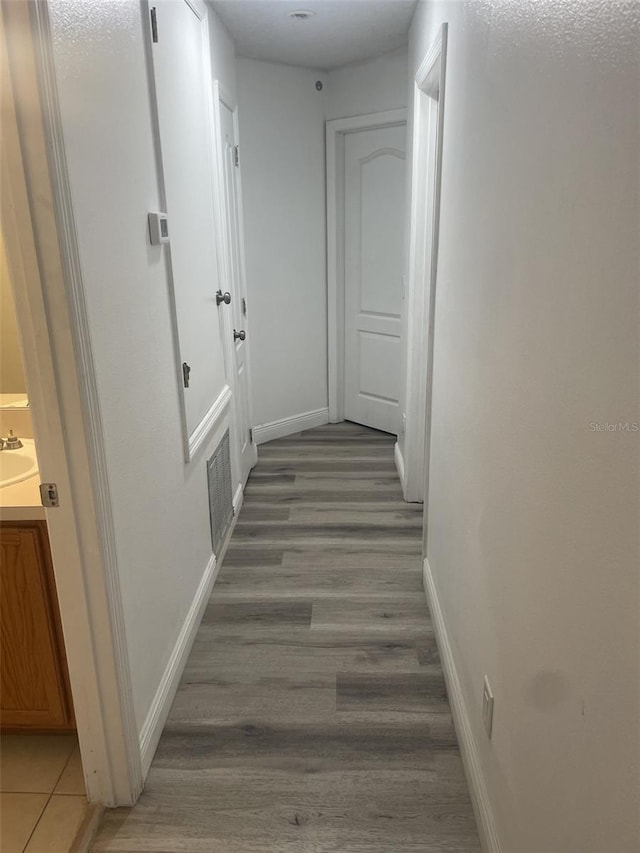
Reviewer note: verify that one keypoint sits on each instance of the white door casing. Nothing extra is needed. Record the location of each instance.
(420, 306)
(183, 96)
(235, 281)
(374, 182)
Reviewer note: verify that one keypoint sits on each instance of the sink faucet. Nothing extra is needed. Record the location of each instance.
(12, 442)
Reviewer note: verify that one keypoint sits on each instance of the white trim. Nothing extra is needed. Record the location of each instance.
(238, 499)
(471, 760)
(221, 97)
(161, 705)
(428, 100)
(397, 456)
(368, 121)
(224, 97)
(287, 426)
(222, 253)
(198, 8)
(243, 274)
(335, 133)
(209, 422)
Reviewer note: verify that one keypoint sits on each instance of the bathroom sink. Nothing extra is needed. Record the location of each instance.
(18, 465)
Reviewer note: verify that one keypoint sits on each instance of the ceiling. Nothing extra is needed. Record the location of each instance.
(339, 33)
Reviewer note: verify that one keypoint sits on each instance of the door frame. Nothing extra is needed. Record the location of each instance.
(424, 229)
(42, 251)
(336, 130)
(222, 97)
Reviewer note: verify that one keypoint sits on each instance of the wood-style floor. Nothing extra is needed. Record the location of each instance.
(312, 716)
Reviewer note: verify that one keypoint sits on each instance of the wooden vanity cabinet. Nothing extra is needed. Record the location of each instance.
(34, 680)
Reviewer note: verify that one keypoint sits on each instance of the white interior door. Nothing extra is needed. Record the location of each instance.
(184, 105)
(236, 285)
(373, 249)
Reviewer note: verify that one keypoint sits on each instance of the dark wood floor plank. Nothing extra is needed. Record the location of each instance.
(404, 692)
(312, 713)
(309, 580)
(238, 556)
(247, 615)
(289, 810)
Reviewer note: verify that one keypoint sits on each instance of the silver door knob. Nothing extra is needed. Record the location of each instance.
(239, 336)
(223, 297)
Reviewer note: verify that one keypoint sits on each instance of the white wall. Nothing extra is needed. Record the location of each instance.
(281, 121)
(533, 517)
(368, 87)
(223, 55)
(160, 505)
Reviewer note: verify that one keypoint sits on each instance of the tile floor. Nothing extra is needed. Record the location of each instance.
(42, 794)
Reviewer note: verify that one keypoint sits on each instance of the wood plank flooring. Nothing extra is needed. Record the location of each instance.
(312, 716)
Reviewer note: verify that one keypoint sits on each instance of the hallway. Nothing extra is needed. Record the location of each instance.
(312, 714)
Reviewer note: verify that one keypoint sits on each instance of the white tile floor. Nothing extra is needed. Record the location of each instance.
(42, 794)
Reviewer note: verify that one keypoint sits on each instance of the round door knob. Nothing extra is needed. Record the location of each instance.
(223, 297)
(239, 336)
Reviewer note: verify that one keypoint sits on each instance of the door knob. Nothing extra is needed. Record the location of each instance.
(239, 336)
(223, 297)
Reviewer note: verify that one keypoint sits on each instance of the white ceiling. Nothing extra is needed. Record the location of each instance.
(340, 32)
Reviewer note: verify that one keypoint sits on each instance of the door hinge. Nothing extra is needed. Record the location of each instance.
(154, 24)
(251, 434)
(49, 494)
(236, 155)
(186, 370)
(244, 306)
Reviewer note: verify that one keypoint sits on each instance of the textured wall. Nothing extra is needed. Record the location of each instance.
(533, 513)
(281, 117)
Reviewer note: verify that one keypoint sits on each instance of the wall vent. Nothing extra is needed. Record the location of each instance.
(220, 496)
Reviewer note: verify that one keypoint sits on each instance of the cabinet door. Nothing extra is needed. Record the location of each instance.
(32, 664)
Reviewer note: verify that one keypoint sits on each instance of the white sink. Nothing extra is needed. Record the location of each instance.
(18, 465)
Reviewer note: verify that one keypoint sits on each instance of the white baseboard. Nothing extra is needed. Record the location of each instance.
(470, 758)
(397, 455)
(161, 705)
(287, 426)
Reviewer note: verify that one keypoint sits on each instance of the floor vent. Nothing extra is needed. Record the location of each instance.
(220, 497)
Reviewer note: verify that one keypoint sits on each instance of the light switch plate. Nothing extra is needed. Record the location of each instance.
(158, 228)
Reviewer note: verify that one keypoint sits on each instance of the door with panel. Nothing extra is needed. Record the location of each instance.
(183, 96)
(374, 193)
(236, 285)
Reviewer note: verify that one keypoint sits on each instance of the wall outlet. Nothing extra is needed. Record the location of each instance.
(487, 707)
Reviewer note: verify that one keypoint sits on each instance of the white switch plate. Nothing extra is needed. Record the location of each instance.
(487, 707)
(158, 228)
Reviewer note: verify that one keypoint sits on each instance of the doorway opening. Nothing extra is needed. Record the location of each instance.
(42, 778)
(412, 451)
(70, 667)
